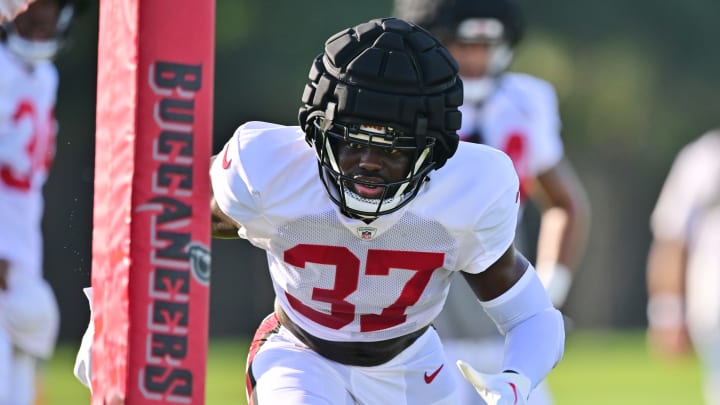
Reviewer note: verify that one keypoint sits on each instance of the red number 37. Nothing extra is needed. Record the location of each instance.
(347, 265)
(39, 150)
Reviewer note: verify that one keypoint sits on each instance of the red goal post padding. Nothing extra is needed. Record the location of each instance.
(151, 231)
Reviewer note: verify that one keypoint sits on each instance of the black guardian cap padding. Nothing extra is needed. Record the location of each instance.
(386, 72)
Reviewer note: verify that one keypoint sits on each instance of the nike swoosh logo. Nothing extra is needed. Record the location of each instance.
(225, 162)
(514, 392)
(431, 377)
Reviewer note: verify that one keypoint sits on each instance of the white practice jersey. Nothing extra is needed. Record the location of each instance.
(520, 118)
(27, 146)
(340, 278)
(688, 211)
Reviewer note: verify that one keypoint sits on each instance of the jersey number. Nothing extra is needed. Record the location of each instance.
(39, 149)
(516, 148)
(347, 265)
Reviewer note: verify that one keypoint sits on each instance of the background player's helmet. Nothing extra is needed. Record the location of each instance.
(389, 84)
(35, 49)
(498, 23)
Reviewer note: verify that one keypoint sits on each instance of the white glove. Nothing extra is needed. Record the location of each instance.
(497, 389)
(10, 8)
(83, 359)
(556, 278)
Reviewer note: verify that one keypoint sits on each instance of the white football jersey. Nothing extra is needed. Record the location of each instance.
(521, 118)
(340, 278)
(27, 146)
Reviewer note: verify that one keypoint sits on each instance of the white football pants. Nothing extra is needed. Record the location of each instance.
(286, 372)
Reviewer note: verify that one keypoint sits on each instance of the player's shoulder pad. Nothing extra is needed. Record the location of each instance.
(477, 168)
(525, 88)
(266, 153)
(264, 137)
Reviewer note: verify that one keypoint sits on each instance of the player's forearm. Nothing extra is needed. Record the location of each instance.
(563, 234)
(565, 221)
(560, 246)
(575, 235)
(533, 328)
(535, 346)
(666, 268)
(666, 285)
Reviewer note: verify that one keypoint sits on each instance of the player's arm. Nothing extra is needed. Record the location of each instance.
(684, 193)
(499, 277)
(221, 225)
(564, 227)
(667, 331)
(4, 270)
(512, 294)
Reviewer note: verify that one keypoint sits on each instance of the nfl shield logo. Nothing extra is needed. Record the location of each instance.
(366, 232)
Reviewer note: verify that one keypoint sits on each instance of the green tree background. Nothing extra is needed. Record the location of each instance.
(636, 80)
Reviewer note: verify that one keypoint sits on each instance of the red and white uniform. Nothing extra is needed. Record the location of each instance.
(688, 211)
(29, 317)
(341, 279)
(521, 118)
(27, 146)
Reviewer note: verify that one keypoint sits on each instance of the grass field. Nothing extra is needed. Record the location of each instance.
(599, 368)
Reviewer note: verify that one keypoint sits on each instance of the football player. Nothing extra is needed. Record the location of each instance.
(358, 210)
(518, 114)
(365, 229)
(683, 268)
(29, 315)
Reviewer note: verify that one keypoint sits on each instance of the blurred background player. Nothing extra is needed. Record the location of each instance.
(518, 114)
(683, 270)
(29, 317)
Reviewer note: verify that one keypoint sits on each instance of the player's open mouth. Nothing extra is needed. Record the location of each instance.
(366, 190)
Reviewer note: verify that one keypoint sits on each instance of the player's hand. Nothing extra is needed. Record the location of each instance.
(669, 343)
(11, 8)
(497, 389)
(83, 358)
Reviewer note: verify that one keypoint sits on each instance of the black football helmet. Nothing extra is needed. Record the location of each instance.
(498, 23)
(451, 19)
(32, 49)
(386, 83)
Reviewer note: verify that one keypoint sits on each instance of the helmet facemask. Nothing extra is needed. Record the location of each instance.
(491, 32)
(385, 85)
(34, 50)
(341, 187)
